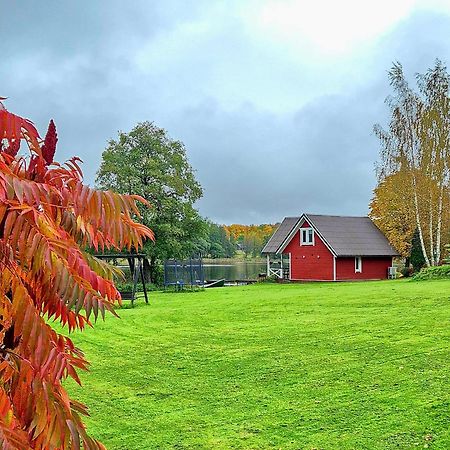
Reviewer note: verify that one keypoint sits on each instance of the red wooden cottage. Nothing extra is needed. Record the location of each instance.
(329, 248)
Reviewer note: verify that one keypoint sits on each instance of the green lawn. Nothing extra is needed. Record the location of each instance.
(301, 366)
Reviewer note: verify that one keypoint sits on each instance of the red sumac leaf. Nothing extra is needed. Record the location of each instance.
(47, 216)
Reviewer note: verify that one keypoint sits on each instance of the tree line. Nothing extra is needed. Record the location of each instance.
(227, 241)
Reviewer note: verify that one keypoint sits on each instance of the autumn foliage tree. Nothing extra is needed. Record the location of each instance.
(392, 210)
(47, 218)
(416, 145)
(251, 238)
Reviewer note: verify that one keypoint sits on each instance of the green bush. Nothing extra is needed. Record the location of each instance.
(433, 273)
(128, 287)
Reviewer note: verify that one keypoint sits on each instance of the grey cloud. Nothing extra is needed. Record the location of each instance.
(104, 66)
(322, 158)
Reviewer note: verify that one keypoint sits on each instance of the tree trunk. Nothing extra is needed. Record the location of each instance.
(431, 231)
(439, 224)
(419, 226)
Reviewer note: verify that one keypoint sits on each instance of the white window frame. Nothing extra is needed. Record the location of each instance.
(358, 264)
(302, 242)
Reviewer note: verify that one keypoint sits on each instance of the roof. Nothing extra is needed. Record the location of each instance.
(346, 236)
(280, 234)
(352, 236)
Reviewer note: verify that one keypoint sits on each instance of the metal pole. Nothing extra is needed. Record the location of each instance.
(176, 274)
(165, 274)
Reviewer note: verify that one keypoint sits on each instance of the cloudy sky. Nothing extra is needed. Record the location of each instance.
(275, 100)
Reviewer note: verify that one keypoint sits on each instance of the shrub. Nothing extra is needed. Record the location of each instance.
(432, 273)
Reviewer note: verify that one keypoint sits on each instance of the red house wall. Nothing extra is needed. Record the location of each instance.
(310, 262)
(373, 268)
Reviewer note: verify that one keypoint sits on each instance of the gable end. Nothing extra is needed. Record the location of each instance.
(304, 218)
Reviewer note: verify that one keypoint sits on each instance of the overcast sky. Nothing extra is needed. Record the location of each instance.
(274, 100)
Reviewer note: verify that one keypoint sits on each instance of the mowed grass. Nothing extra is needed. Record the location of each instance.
(300, 366)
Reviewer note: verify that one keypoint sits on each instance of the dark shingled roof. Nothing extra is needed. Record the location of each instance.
(347, 236)
(280, 234)
(352, 236)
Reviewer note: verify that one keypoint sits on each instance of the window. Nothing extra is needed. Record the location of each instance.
(306, 236)
(358, 264)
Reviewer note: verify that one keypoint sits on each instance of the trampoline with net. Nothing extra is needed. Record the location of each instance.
(180, 273)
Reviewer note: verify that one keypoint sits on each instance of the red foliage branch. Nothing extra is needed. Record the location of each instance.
(13, 148)
(47, 219)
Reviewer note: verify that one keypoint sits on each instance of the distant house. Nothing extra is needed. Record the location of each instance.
(328, 248)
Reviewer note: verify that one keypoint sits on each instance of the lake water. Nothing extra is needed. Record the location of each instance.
(233, 269)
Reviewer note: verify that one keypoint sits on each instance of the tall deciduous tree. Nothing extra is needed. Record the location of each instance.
(146, 161)
(47, 219)
(417, 144)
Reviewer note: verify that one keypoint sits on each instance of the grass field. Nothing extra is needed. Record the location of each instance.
(302, 366)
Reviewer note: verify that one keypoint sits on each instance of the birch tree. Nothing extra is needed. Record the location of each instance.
(416, 144)
(435, 140)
